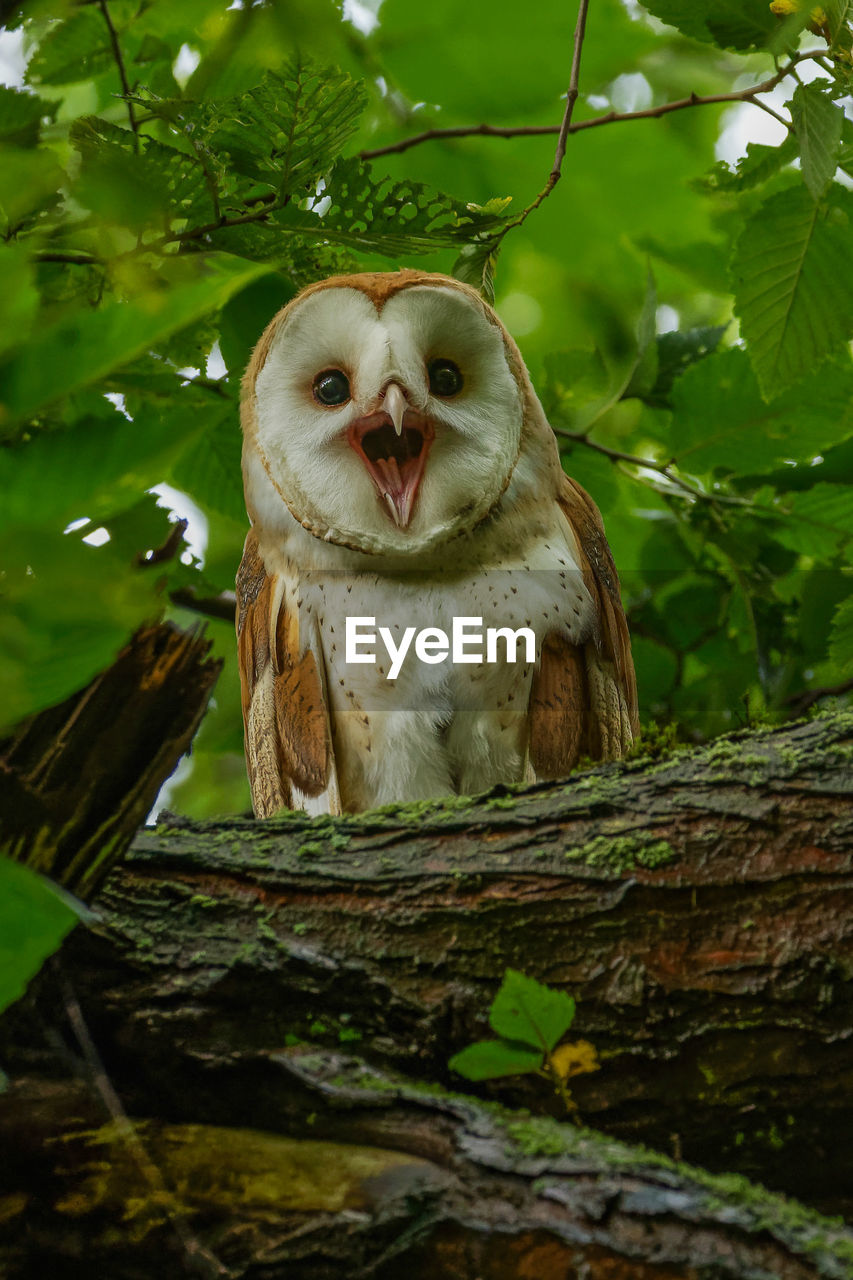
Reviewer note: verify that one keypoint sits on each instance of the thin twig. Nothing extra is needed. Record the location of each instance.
(169, 549)
(662, 468)
(72, 257)
(125, 83)
(611, 117)
(222, 607)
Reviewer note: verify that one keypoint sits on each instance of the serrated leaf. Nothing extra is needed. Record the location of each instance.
(759, 163)
(841, 637)
(96, 467)
(677, 351)
(791, 271)
(526, 1011)
(35, 915)
(721, 421)
(73, 50)
(732, 24)
(839, 15)
(78, 349)
(490, 1059)
(283, 133)
(383, 215)
(818, 123)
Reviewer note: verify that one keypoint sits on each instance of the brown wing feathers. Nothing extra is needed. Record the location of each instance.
(584, 700)
(286, 722)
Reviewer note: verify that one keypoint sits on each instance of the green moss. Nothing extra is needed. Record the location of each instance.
(621, 853)
(312, 849)
(537, 1137)
(500, 802)
(203, 900)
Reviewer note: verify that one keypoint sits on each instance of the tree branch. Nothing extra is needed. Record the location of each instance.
(611, 117)
(119, 60)
(222, 607)
(662, 468)
(565, 125)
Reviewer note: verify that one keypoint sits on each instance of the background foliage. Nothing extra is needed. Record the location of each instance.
(172, 173)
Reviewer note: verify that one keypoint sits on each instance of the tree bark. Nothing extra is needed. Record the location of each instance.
(123, 735)
(374, 1177)
(698, 907)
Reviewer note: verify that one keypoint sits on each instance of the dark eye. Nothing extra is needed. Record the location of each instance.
(444, 378)
(331, 387)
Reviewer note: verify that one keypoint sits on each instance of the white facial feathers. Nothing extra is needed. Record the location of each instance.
(303, 443)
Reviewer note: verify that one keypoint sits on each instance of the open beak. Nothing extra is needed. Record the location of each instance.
(393, 443)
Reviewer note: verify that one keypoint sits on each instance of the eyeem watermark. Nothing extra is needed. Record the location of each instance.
(432, 645)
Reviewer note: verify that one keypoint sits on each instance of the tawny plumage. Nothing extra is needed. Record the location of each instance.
(398, 467)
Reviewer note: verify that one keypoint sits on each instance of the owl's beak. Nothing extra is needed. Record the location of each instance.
(393, 443)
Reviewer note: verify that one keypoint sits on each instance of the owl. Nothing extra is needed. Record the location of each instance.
(403, 485)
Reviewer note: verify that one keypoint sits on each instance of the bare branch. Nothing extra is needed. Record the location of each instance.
(611, 117)
(662, 468)
(222, 607)
(125, 83)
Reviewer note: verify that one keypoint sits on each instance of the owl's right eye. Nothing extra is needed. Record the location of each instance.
(331, 387)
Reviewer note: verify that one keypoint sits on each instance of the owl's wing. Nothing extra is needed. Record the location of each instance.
(584, 697)
(285, 708)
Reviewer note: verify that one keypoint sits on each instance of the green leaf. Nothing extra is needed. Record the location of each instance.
(819, 520)
(284, 133)
(524, 1010)
(757, 165)
(35, 915)
(841, 637)
(97, 467)
(720, 420)
(476, 266)
(73, 50)
(732, 24)
(28, 182)
(490, 1059)
(68, 609)
(21, 115)
(78, 349)
(21, 298)
(211, 469)
(818, 123)
(677, 351)
(840, 15)
(384, 216)
(791, 271)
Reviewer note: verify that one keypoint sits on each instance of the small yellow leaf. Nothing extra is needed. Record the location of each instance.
(574, 1059)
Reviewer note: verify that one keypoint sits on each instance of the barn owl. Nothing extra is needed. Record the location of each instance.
(399, 471)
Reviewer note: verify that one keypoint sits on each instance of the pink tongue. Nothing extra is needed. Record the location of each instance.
(390, 473)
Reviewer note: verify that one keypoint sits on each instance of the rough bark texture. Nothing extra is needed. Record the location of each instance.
(372, 1177)
(124, 733)
(698, 907)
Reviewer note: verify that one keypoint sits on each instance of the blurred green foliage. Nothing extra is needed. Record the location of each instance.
(171, 173)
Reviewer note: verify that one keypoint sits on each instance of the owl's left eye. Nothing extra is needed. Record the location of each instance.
(331, 387)
(445, 378)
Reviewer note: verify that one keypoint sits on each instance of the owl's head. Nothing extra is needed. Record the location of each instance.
(385, 410)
